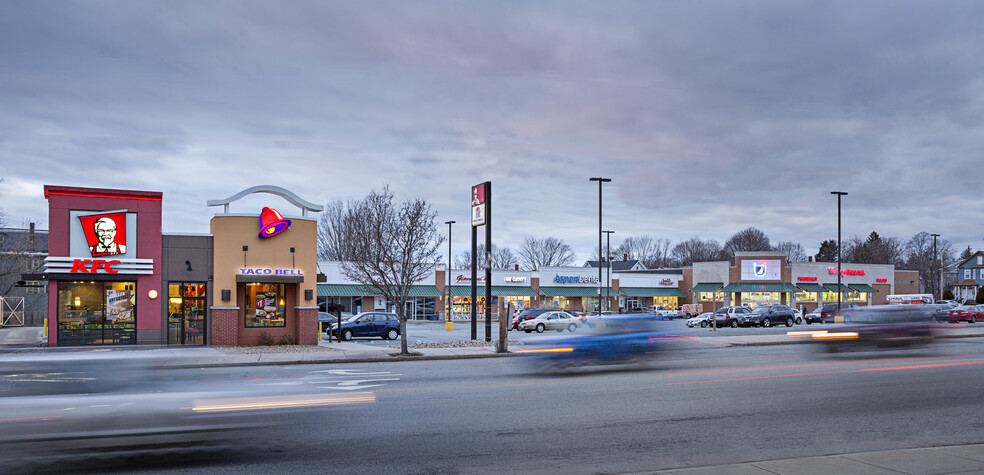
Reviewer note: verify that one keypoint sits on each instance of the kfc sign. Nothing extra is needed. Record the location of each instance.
(105, 233)
(92, 266)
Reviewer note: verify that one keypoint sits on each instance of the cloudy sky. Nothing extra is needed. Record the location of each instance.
(709, 117)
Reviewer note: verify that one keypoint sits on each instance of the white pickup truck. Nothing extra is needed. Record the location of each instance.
(662, 311)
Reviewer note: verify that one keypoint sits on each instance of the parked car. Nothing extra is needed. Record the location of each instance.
(768, 315)
(813, 317)
(948, 303)
(733, 317)
(554, 320)
(965, 313)
(703, 320)
(937, 311)
(328, 321)
(370, 324)
(527, 314)
(829, 311)
(879, 326)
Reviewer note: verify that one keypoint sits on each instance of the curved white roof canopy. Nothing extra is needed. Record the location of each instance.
(274, 190)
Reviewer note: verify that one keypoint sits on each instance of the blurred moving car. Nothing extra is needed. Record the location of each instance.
(617, 340)
(370, 324)
(938, 311)
(527, 314)
(768, 315)
(733, 317)
(963, 313)
(555, 320)
(878, 326)
(830, 310)
(703, 320)
(813, 317)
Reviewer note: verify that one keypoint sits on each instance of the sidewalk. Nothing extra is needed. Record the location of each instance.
(931, 460)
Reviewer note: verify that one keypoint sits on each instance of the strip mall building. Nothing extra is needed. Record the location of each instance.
(115, 279)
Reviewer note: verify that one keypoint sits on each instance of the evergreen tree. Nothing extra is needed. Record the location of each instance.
(828, 251)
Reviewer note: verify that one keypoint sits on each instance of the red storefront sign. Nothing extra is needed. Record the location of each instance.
(90, 266)
(807, 279)
(833, 271)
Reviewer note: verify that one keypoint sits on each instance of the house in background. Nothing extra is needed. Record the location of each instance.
(22, 251)
(971, 275)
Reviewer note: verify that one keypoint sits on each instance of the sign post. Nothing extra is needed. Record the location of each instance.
(481, 212)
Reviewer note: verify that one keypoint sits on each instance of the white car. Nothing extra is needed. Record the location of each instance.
(703, 320)
(556, 320)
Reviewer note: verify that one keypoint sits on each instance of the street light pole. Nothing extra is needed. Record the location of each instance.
(933, 269)
(608, 259)
(839, 194)
(600, 181)
(447, 290)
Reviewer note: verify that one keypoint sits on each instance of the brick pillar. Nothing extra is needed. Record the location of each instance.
(225, 326)
(307, 325)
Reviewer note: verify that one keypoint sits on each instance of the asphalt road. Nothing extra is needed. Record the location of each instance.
(692, 408)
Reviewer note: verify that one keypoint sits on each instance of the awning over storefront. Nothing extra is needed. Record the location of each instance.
(353, 290)
(750, 287)
(575, 291)
(863, 288)
(708, 287)
(497, 290)
(811, 288)
(652, 292)
(833, 287)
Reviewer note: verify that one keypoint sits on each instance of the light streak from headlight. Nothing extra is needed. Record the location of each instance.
(280, 402)
(837, 336)
(548, 350)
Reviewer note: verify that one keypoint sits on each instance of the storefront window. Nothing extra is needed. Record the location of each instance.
(668, 302)
(96, 313)
(518, 303)
(711, 296)
(265, 305)
(754, 299)
(849, 296)
(462, 307)
(806, 296)
(560, 303)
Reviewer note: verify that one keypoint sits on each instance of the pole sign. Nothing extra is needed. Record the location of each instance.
(478, 212)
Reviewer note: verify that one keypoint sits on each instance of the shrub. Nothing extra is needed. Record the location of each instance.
(980, 294)
(286, 340)
(264, 339)
(947, 295)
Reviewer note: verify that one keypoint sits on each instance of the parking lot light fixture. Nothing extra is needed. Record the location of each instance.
(600, 181)
(839, 195)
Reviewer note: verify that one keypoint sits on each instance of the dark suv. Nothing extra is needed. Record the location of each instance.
(527, 314)
(381, 324)
(768, 315)
(829, 311)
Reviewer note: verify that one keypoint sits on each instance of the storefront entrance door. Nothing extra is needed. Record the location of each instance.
(186, 314)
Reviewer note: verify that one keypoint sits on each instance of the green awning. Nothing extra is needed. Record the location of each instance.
(833, 287)
(769, 287)
(708, 287)
(652, 292)
(358, 290)
(811, 288)
(575, 291)
(863, 288)
(497, 290)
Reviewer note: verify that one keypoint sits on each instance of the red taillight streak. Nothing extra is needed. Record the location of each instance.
(29, 418)
(892, 368)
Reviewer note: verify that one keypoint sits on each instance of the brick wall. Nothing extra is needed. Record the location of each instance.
(307, 326)
(225, 326)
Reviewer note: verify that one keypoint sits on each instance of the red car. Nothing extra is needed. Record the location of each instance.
(967, 313)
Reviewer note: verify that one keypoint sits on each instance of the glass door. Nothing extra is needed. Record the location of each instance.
(186, 314)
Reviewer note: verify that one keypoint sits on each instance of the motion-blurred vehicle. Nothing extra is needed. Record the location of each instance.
(590, 320)
(527, 314)
(938, 311)
(369, 324)
(878, 326)
(830, 311)
(733, 317)
(813, 317)
(616, 340)
(555, 320)
(703, 320)
(963, 313)
(768, 315)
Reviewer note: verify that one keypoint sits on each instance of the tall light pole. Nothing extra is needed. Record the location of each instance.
(600, 181)
(839, 194)
(608, 259)
(933, 269)
(447, 290)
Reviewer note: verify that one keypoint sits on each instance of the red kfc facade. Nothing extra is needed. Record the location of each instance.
(103, 266)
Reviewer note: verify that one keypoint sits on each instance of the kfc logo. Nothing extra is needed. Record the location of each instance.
(105, 233)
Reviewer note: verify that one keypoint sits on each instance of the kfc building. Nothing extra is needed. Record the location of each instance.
(103, 266)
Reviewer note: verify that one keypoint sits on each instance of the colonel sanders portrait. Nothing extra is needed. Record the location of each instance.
(105, 229)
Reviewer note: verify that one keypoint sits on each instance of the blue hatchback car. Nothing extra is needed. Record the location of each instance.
(378, 324)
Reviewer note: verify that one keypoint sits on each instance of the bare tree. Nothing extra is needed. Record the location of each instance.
(696, 250)
(919, 257)
(547, 252)
(751, 239)
(502, 258)
(330, 231)
(794, 250)
(389, 247)
(874, 250)
(654, 253)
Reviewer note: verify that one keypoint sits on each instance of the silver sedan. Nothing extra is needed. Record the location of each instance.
(556, 320)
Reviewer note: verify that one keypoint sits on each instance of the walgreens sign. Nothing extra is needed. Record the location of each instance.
(833, 271)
